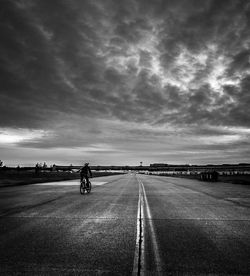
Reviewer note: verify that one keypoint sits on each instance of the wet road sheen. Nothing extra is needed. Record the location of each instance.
(129, 224)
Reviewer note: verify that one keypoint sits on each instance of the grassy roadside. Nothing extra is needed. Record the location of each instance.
(235, 179)
(24, 178)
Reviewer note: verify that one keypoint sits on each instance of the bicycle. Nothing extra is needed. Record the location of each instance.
(83, 187)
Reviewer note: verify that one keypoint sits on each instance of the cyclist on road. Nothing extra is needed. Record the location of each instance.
(85, 171)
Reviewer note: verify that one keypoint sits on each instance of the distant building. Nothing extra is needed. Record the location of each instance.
(158, 165)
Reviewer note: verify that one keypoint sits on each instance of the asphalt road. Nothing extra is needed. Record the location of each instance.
(129, 224)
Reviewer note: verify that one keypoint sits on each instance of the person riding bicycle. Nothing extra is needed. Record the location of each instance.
(85, 171)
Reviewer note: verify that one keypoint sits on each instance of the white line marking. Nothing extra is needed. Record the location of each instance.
(156, 251)
(137, 245)
(143, 266)
(139, 258)
(98, 183)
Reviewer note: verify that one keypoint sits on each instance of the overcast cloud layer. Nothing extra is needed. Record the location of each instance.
(118, 82)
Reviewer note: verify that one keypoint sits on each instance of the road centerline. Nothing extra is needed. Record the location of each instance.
(139, 248)
(155, 246)
(139, 259)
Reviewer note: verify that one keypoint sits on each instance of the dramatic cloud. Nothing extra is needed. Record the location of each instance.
(124, 81)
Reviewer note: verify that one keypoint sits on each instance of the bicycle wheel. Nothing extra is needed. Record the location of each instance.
(89, 188)
(82, 187)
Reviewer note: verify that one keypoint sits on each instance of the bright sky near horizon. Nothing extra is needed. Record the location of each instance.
(119, 82)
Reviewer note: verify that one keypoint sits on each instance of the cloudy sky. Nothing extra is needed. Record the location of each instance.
(119, 82)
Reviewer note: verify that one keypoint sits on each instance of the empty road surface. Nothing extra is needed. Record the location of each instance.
(130, 224)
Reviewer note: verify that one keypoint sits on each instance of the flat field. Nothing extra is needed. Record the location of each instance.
(236, 179)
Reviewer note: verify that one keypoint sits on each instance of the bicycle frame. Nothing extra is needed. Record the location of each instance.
(83, 187)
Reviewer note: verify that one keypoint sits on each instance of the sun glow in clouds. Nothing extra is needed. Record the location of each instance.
(14, 136)
(220, 139)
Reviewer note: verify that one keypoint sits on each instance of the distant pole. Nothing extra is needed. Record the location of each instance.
(140, 164)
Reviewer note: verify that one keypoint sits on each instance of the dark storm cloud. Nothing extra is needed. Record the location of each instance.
(51, 52)
(240, 62)
(67, 64)
(40, 55)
